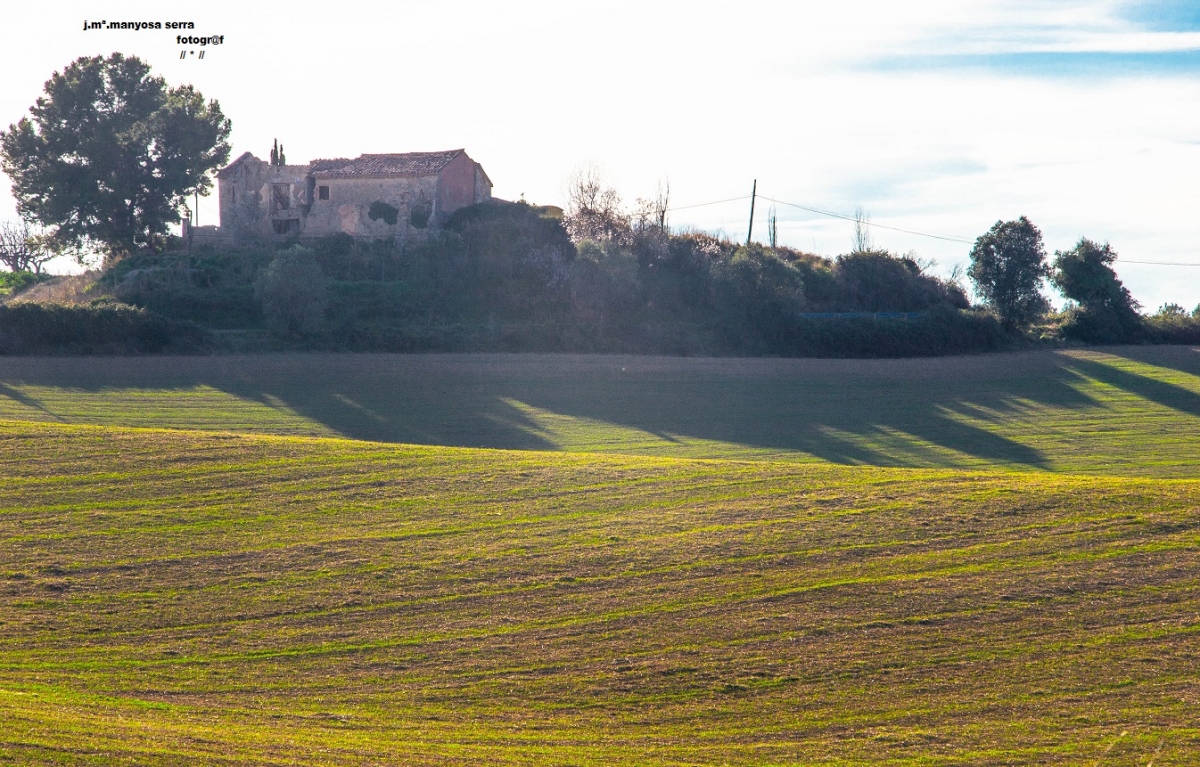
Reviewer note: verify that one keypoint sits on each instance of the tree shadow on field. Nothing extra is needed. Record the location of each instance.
(1161, 392)
(21, 398)
(878, 412)
(1182, 359)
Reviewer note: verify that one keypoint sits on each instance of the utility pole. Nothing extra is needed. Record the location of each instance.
(753, 195)
(192, 229)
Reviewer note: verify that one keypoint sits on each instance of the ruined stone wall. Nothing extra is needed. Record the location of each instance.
(257, 198)
(348, 208)
(259, 201)
(196, 236)
(483, 185)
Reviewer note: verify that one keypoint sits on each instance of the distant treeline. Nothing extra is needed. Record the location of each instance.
(515, 277)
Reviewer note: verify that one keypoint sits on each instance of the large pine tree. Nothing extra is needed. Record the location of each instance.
(110, 154)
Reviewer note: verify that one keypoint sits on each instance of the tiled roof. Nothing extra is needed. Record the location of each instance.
(383, 165)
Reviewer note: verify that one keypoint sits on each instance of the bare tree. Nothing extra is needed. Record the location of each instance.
(662, 203)
(650, 215)
(584, 190)
(862, 231)
(594, 211)
(958, 276)
(925, 265)
(21, 248)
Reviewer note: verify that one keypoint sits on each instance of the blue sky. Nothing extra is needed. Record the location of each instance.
(1163, 15)
(1053, 64)
(942, 116)
(1066, 40)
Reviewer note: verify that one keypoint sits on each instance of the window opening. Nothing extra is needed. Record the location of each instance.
(281, 196)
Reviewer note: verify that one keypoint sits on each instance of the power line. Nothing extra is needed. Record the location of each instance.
(947, 238)
(870, 223)
(705, 204)
(213, 206)
(823, 213)
(1156, 263)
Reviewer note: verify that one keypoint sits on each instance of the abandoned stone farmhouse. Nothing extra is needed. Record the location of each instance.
(373, 196)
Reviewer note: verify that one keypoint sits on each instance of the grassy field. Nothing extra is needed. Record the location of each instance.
(286, 596)
(1123, 411)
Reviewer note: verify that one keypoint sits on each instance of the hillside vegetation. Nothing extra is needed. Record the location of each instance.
(511, 277)
(173, 597)
(514, 277)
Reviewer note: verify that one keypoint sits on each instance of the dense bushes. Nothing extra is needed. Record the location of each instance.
(1172, 324)
(28, 328)
(876, 281)
(760, 289)
(944, 330)
(215, 290)
(516, 277)
(507, 276)
(293, 293)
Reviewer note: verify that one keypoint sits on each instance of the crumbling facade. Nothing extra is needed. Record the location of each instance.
(373, 196)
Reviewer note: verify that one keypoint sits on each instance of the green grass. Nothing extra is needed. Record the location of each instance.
(171, 597)
(989, 560)
(1123, 411)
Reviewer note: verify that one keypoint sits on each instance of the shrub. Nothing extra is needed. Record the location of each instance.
(943, 330)
(381, 210)
(877, 281)
(293, 293)
(341, 257)
(758, 294)
(506, 276)
(1101, 326)
(15, 282)
(215, 290)
(337, 245)
(1172, 324)
(604, 284)
(28, 328)
(419, 214)
(510, 260)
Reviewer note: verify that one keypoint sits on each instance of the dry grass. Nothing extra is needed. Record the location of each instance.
(69, 290)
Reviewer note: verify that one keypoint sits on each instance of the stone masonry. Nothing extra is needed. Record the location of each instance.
(370, 197)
